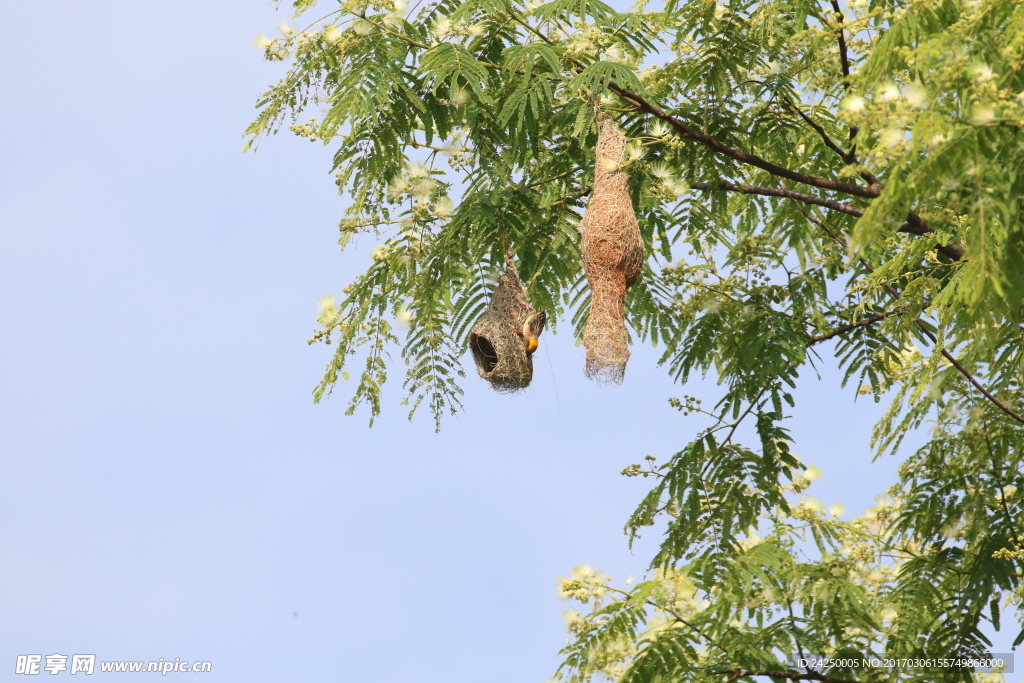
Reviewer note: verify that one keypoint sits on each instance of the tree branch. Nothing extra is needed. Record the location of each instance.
(714, 145)
(871, 320)
(844, 58)
(778, 192)
(846, 156)
(538, 183)
(921, 326)
(971, 378)
(583, 192)
(916, 225)
(953, 251)
(844, 62)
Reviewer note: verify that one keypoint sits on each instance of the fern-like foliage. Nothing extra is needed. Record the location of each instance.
(816, 182)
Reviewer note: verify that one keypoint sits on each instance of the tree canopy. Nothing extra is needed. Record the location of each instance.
(815, 182)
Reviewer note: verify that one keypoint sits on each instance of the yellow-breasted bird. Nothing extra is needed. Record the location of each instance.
(532, 327)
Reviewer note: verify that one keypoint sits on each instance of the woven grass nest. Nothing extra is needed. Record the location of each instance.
(613, 255)
(500, 339)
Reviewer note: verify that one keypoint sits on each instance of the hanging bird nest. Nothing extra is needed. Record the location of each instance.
(502, 352)
(613, 255)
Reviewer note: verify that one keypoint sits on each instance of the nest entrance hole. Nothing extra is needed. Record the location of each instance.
(483, 352)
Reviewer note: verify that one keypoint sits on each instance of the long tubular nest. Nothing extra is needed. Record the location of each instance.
(613, 255)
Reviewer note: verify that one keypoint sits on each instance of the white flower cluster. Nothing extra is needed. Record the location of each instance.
(669, 186)
(419, 186)
(583, 585)
(328, 311)
(443, 28)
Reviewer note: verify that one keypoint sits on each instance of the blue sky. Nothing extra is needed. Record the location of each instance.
(168, 488)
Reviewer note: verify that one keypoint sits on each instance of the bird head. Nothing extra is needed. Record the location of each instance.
(533, 326)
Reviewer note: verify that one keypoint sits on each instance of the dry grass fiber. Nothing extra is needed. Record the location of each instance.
(499, 351)
(613, 255)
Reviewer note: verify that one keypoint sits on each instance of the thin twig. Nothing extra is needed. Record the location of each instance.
(843, 154)
(779, 192)
(844, 62)
(871, 320)
(849, 157)
(746, 412)
(583, 192)
(538, 183)
(928, 333)
(998, 476)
